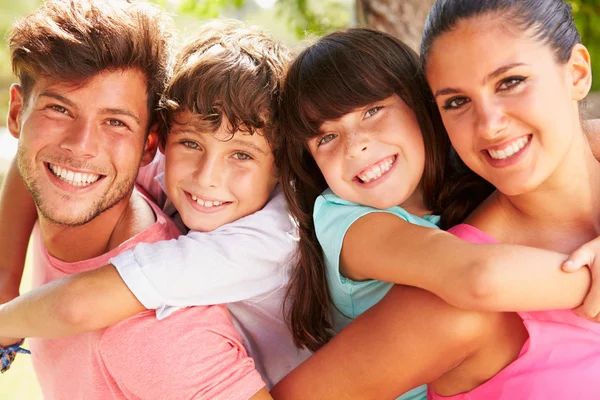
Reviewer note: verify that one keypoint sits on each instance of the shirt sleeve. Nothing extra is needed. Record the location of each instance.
(195, 354)
(242, 260)
(147, 179)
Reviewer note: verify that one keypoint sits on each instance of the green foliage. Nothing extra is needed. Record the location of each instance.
(206, 9)
(587, 18)
(310, 18)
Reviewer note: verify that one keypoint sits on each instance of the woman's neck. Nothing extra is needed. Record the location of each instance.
(561, 213)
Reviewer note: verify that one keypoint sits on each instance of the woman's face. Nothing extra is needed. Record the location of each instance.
(509, 107)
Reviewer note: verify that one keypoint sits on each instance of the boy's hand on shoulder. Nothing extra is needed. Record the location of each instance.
(588, 255)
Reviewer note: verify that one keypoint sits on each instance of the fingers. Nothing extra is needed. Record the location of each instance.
(579, 258)
(590, 308)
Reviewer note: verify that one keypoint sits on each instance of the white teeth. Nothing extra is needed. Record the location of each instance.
(73, 178)
(509, 150)
(376, 171)
(207, 203)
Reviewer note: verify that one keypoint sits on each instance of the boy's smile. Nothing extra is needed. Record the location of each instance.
(216, 178)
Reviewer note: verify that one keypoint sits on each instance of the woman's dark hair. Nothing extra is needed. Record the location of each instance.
(551, 21)
(338, 74)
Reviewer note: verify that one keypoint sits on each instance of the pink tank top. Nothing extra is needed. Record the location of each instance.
(559, 361)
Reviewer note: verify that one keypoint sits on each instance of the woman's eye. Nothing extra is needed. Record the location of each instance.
(455, 103)
(326, 139)
(190, 144)
(372, 111)
(240, 155)
(509, 83)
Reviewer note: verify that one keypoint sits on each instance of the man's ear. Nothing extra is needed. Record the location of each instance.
(150, 146)
(581, 72)
(15, 108)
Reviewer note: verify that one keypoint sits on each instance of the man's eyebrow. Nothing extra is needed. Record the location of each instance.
(121, 111)
(497, 72)
(53, 95)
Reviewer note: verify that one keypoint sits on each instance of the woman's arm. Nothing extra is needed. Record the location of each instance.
(494, 277)
(393, 347)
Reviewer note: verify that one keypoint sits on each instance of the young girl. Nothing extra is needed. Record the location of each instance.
(511, 110)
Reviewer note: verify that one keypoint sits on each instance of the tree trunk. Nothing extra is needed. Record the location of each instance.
(402, 18)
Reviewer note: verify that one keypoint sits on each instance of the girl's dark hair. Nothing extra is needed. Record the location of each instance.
(338, 74)
(551, 21)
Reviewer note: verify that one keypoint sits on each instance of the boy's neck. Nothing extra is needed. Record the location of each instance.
(102, 234)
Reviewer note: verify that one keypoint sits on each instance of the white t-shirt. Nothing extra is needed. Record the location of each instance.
(246, 264)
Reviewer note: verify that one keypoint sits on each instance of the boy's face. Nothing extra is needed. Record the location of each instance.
(213, 178)
(80, 146)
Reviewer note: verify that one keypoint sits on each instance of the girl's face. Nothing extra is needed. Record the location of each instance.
(374, 155)
(509, 107)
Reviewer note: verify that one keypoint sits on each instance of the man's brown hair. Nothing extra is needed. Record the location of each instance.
(232, 71)
(74, 40)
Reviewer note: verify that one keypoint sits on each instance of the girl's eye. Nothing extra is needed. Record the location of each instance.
(455, 103)
(510, 83)
(240, 155)
(190, 144)
(372, 111)
(326, 139)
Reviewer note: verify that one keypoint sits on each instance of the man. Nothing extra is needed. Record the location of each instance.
(90, 76)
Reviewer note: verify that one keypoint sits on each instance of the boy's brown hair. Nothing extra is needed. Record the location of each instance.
(74, 40)
(230, 72)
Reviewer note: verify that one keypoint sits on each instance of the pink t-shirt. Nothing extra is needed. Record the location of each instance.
(560, 360)
(196, 353)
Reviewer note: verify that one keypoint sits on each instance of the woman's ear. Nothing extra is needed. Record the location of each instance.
(580, 69)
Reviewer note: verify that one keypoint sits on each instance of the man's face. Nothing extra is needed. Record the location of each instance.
(80, 145)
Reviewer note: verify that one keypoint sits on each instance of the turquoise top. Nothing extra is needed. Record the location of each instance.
(333, 216)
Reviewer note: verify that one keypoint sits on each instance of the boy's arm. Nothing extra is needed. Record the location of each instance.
(493, 277)
(236, 262)
(17, 217)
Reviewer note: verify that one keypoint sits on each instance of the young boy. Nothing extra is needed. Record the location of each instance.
(219, 175)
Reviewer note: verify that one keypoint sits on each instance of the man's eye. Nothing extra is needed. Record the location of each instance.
(115, 122)
(59, 109)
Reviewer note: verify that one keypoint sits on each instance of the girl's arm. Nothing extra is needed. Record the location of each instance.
(391, 348)
(494, 277)
(17, 217)
(239, 261)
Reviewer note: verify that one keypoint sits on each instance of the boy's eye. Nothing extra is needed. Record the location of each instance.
(372, 111)
(326, 139)
(190, 144)
(510, 83)
(240, 155)
(455, 103)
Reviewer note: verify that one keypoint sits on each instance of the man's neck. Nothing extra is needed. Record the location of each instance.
(102, 234)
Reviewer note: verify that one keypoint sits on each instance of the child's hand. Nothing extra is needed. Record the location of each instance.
(588, 255)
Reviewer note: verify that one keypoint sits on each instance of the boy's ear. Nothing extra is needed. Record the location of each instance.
(150, 146)
(15, 108)
(581, 72)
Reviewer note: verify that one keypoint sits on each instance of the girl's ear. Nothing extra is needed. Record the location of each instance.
(150, 146)
(580, 69)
